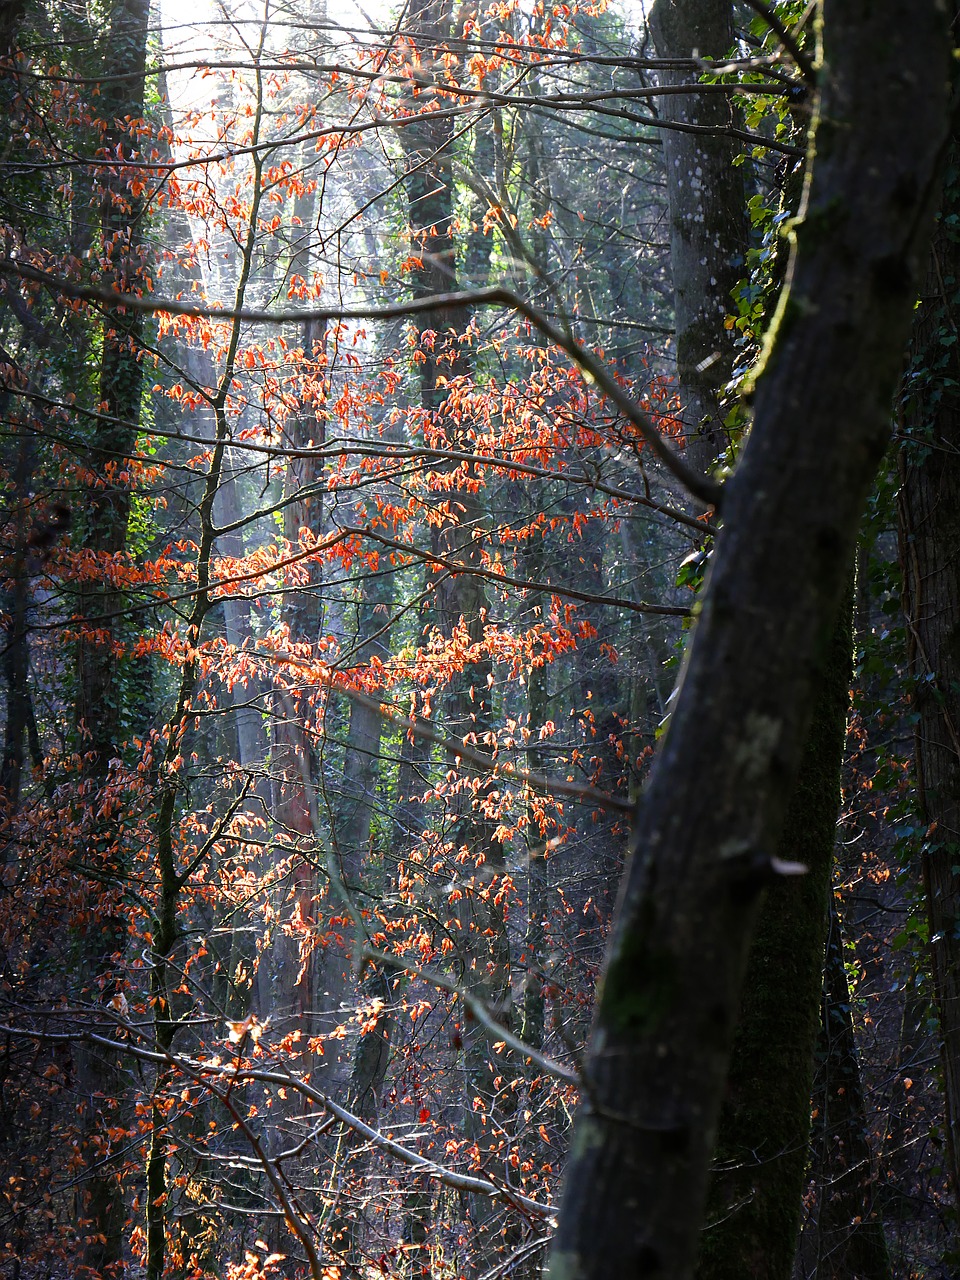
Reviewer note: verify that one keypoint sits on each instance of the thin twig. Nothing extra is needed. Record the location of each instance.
(525, 584)
(330, 679)
(479, 1011)
(296, 1224)
(774, 22)
(594, 369)
(285, 1080)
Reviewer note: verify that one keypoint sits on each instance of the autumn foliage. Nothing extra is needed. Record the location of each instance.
(347, 550)
(320, 740)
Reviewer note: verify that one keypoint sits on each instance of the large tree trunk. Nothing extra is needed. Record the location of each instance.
(762, 1140)
(930, 542)
(709, 824)
(16, 604)
(104, 524)
(760, 1160)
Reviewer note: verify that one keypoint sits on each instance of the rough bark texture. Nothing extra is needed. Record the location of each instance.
(708, 221)
(762, 1141)
(930, 556)
(760, 1162)
(713, 812)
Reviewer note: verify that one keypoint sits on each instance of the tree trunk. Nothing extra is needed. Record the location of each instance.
(708, 220)
(290, 981)
(104, 527)
(16, 649)
(760, 1161)
(712, 816)
(763, 1137)
(849, 1232)
(461, 599)
(99, 696)
(352, 825)
(929, 542)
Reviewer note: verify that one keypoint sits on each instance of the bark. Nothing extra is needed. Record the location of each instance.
(763, 1137)
(850, 1238)
(405, 831)
(104, 526)
(361, 763)
(602, 698)
(708, 220)
(760, 1160)
(353, 826)
(755, 1198)
(352, 833)
(714, 809)
(929, 543)
(304, 610)
(412, 780)
(99, 690)
(11, 15)
(290, 981)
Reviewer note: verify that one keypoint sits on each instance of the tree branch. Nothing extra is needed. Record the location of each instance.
(594, 370)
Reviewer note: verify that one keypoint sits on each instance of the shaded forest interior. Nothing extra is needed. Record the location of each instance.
(480, 655)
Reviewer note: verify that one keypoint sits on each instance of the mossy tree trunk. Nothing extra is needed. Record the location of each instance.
(103, 526)
(102, 529)
(760, 1160)
(710, 821)
(763, 1136)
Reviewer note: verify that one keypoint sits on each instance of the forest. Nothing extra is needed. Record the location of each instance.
(479, 639)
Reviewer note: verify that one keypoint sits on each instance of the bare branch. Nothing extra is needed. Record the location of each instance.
(525, 584)
(326, 676)
(479, 1012)
(774, 22)
(199, 1070)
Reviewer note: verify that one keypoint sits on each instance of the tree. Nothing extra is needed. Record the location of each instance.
(385, 580)
(931, 599)
(708, 215)
(714, 806)
(761, 1155)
